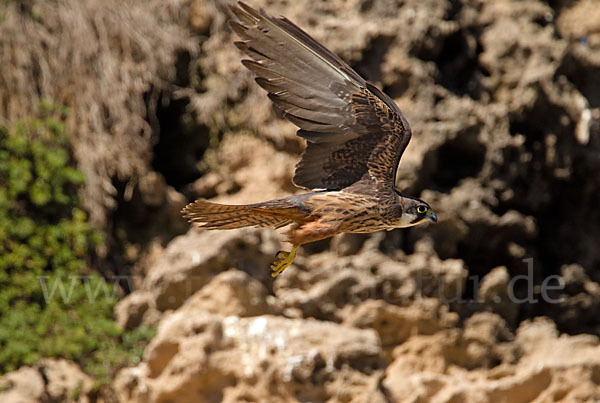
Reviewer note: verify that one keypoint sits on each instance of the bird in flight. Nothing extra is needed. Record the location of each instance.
(355, 135)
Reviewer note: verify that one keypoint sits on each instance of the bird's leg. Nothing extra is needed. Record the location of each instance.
(282, 261)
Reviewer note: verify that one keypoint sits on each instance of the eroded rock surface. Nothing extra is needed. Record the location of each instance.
(204, 357)
(50, 380)
(504, 105)
(540, 366)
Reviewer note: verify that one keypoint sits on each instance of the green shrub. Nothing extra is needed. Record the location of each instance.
(51, 304)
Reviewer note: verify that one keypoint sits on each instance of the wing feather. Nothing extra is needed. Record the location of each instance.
(353, 131)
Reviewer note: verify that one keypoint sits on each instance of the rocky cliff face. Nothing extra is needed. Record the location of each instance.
(505, 116)
(504, 102)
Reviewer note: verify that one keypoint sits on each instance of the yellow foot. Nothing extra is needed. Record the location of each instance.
(282, 261)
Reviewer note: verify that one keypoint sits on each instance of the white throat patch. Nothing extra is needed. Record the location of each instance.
(406, 220)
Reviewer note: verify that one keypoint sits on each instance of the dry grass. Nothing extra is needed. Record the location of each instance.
(107, 60)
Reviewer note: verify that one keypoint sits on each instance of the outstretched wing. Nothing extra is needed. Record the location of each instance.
(352, 129)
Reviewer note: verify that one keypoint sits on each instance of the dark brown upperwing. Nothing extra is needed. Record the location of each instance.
(351, 128)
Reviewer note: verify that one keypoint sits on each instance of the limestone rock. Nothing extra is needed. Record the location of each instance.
(319, 292)
(206, 358)
(240, 175)
(233, 293)
(65, 381)
(52, 380)
(396, 324)
(495, 292)
(25, 385)
(191, 260)
(131, 309)
(551, 368)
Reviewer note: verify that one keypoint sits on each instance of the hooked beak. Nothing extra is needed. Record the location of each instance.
(431, 216)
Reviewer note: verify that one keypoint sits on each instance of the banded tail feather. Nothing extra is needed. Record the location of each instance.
(210, 215)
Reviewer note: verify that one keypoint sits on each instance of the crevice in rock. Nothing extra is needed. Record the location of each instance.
(181, 142)
(369, 66)
(582, 75)
(457, 160)
(458, 66)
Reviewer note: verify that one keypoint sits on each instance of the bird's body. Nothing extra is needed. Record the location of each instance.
(355, 137)
(313, 216)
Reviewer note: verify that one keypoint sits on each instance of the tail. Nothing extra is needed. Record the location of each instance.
(275, 213)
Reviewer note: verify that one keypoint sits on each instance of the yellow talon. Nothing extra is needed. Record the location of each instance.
(282, 261)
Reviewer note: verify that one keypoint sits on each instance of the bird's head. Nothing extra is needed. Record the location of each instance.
(415, 211)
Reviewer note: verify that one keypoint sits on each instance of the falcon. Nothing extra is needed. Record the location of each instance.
(355, 135)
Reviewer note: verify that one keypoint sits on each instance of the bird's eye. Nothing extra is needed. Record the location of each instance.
(421, 209)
